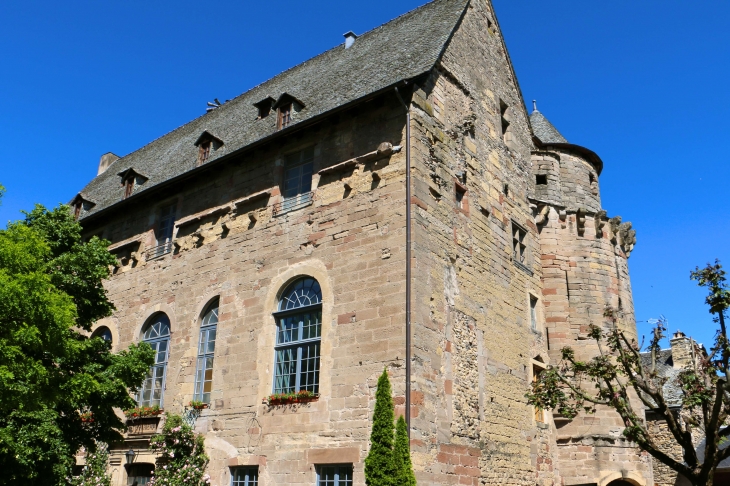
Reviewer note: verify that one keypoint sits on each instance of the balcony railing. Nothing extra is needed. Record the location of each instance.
(159, 250)
(293, 203)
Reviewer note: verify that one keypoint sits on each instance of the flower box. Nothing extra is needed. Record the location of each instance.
(143, 412)
(303, 396)
(197, 405)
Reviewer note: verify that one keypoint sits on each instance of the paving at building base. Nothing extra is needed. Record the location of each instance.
(262, 248)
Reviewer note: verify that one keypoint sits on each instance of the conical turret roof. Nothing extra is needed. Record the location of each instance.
(544, 130)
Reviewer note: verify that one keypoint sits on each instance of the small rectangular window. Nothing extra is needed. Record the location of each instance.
(460, 194)
(541, 179)
(245, 476)
(284, 115)
(519, 245)
(140, 474)
(539, 413)
(533, 312)
(339, 475)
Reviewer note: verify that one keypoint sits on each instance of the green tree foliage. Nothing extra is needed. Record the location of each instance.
(182, 457)
(95, 471)
(402, 456)
(618, 373)
(379, 465)
(50, 372)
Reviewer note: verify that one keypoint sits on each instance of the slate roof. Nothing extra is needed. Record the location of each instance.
(665, 369)
(401, 49)
(544, 130)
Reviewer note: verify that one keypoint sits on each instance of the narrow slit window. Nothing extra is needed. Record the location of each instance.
(533, 312)
(519, 246)
(541, 179)
(206, 352)
(539, 413)
(460, 195)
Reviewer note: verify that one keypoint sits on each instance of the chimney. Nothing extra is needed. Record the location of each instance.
(106, 160)
(349, 39)
(681, 350)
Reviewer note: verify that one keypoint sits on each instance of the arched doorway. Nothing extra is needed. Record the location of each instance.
(620, 482)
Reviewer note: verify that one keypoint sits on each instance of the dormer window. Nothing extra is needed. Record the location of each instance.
(264, 107)
(204, 152)
(284, 116)
(286, 107)
(130, 181)
(79, 205)
(207, 143)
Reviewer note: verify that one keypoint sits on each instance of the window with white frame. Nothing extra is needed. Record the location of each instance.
(157, 335)
(245, 476)
(206, 351)
(298, 337)
(336, 475)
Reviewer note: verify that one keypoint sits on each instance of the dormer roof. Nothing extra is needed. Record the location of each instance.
(129, 172)
(286, 98)
(205, 136)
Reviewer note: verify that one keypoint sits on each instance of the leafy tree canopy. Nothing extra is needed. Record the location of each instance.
(618, 377)
(51, 373)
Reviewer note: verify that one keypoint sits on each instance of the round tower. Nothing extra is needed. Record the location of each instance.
(585, 271)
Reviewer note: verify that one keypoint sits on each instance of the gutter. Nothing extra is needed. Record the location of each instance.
(408, 260)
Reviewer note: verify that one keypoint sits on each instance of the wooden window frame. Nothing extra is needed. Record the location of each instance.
(209, 324)
(537, 367)
(204, 150)
(284, 113)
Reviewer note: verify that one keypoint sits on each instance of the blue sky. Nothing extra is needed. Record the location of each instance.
(644, 84)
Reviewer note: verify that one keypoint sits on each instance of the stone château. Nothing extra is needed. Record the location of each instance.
(391, 191)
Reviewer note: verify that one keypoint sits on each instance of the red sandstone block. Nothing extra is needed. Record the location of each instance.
(346, 318)
(417, 398)
(466, 471)
(445, 458)
(469, 461)
(454, 449)
(448, 387)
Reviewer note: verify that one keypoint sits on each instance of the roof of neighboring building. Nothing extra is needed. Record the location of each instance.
(544, 130)
(665, 369)
(401, 49)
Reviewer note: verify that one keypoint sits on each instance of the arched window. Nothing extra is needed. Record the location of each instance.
(104, 333)
(157, 335)
(298, 336)
(206, 350)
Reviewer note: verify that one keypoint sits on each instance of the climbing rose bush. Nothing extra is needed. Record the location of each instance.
(182, 459)
(95, 470)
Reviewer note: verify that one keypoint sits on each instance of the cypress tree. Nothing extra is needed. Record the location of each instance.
(379, 466)
(402, 456)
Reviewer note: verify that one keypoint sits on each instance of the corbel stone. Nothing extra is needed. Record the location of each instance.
(600, 222)
(580, 221)
(543, 213)
(614, 222)
(562, 216)
(628, 238)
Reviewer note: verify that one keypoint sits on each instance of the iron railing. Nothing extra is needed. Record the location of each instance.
(292, 203)
(159, 250)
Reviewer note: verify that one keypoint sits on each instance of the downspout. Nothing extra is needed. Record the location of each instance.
(408, 261)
